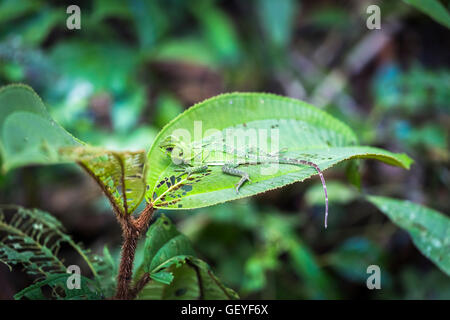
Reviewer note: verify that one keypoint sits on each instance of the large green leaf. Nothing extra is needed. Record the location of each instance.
(174, 272)
(164, 246)
(28, 135)
(434, 9)
(119, 173)
(429, 229)
(191, 280)
(305, 131)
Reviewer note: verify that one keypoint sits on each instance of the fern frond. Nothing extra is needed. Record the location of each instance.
(107, 270)
(57, 283)
(32, 237)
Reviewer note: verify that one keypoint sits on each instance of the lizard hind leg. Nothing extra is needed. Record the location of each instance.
(231, 170)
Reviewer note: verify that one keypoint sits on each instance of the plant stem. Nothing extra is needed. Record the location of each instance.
(132, 229)
(141, 283)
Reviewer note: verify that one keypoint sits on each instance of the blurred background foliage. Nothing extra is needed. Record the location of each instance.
(136, 64)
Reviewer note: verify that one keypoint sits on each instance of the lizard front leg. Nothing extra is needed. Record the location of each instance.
(191, 170)
(231, 170)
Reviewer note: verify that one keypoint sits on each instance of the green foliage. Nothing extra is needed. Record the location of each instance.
(107, 270)
(412, 106)
(28, 134)
(31, 136)
(253, 246)
(410, 92)
(276, 21)
(21, 242)
(330, 17)
(11, 9)
(107, 9)
(163, 55)
(167, 108)
(164, 246)
(280, 237)
(78, 60)
(434, 8)
(420, 286)
(30, 235)
(57, 282)
(338, 193)
(429, 229)
(150, 21)
(324, 141)
(191, 50)
(119, 174)
(352, 173)
(193, 279)
(175, 272)
(218, 31)
(351, 258)
(33, 238)
(36, 29)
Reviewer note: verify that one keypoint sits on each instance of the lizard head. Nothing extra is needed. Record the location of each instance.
(173, 148)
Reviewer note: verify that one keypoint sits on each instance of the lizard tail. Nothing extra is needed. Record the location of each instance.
(315, 166)
(326, 194)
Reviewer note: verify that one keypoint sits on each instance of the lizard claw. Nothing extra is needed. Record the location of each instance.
(237, 186)
(241, 182)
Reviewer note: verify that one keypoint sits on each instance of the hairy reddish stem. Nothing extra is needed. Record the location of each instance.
(132, 229)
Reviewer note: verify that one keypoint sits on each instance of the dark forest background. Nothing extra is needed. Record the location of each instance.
(135, 65)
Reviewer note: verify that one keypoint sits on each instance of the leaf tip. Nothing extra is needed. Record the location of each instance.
(406, 161)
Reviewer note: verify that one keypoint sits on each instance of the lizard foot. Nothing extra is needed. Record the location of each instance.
(241, 182)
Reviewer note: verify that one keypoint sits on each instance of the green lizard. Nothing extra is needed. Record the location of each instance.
(180, 153)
